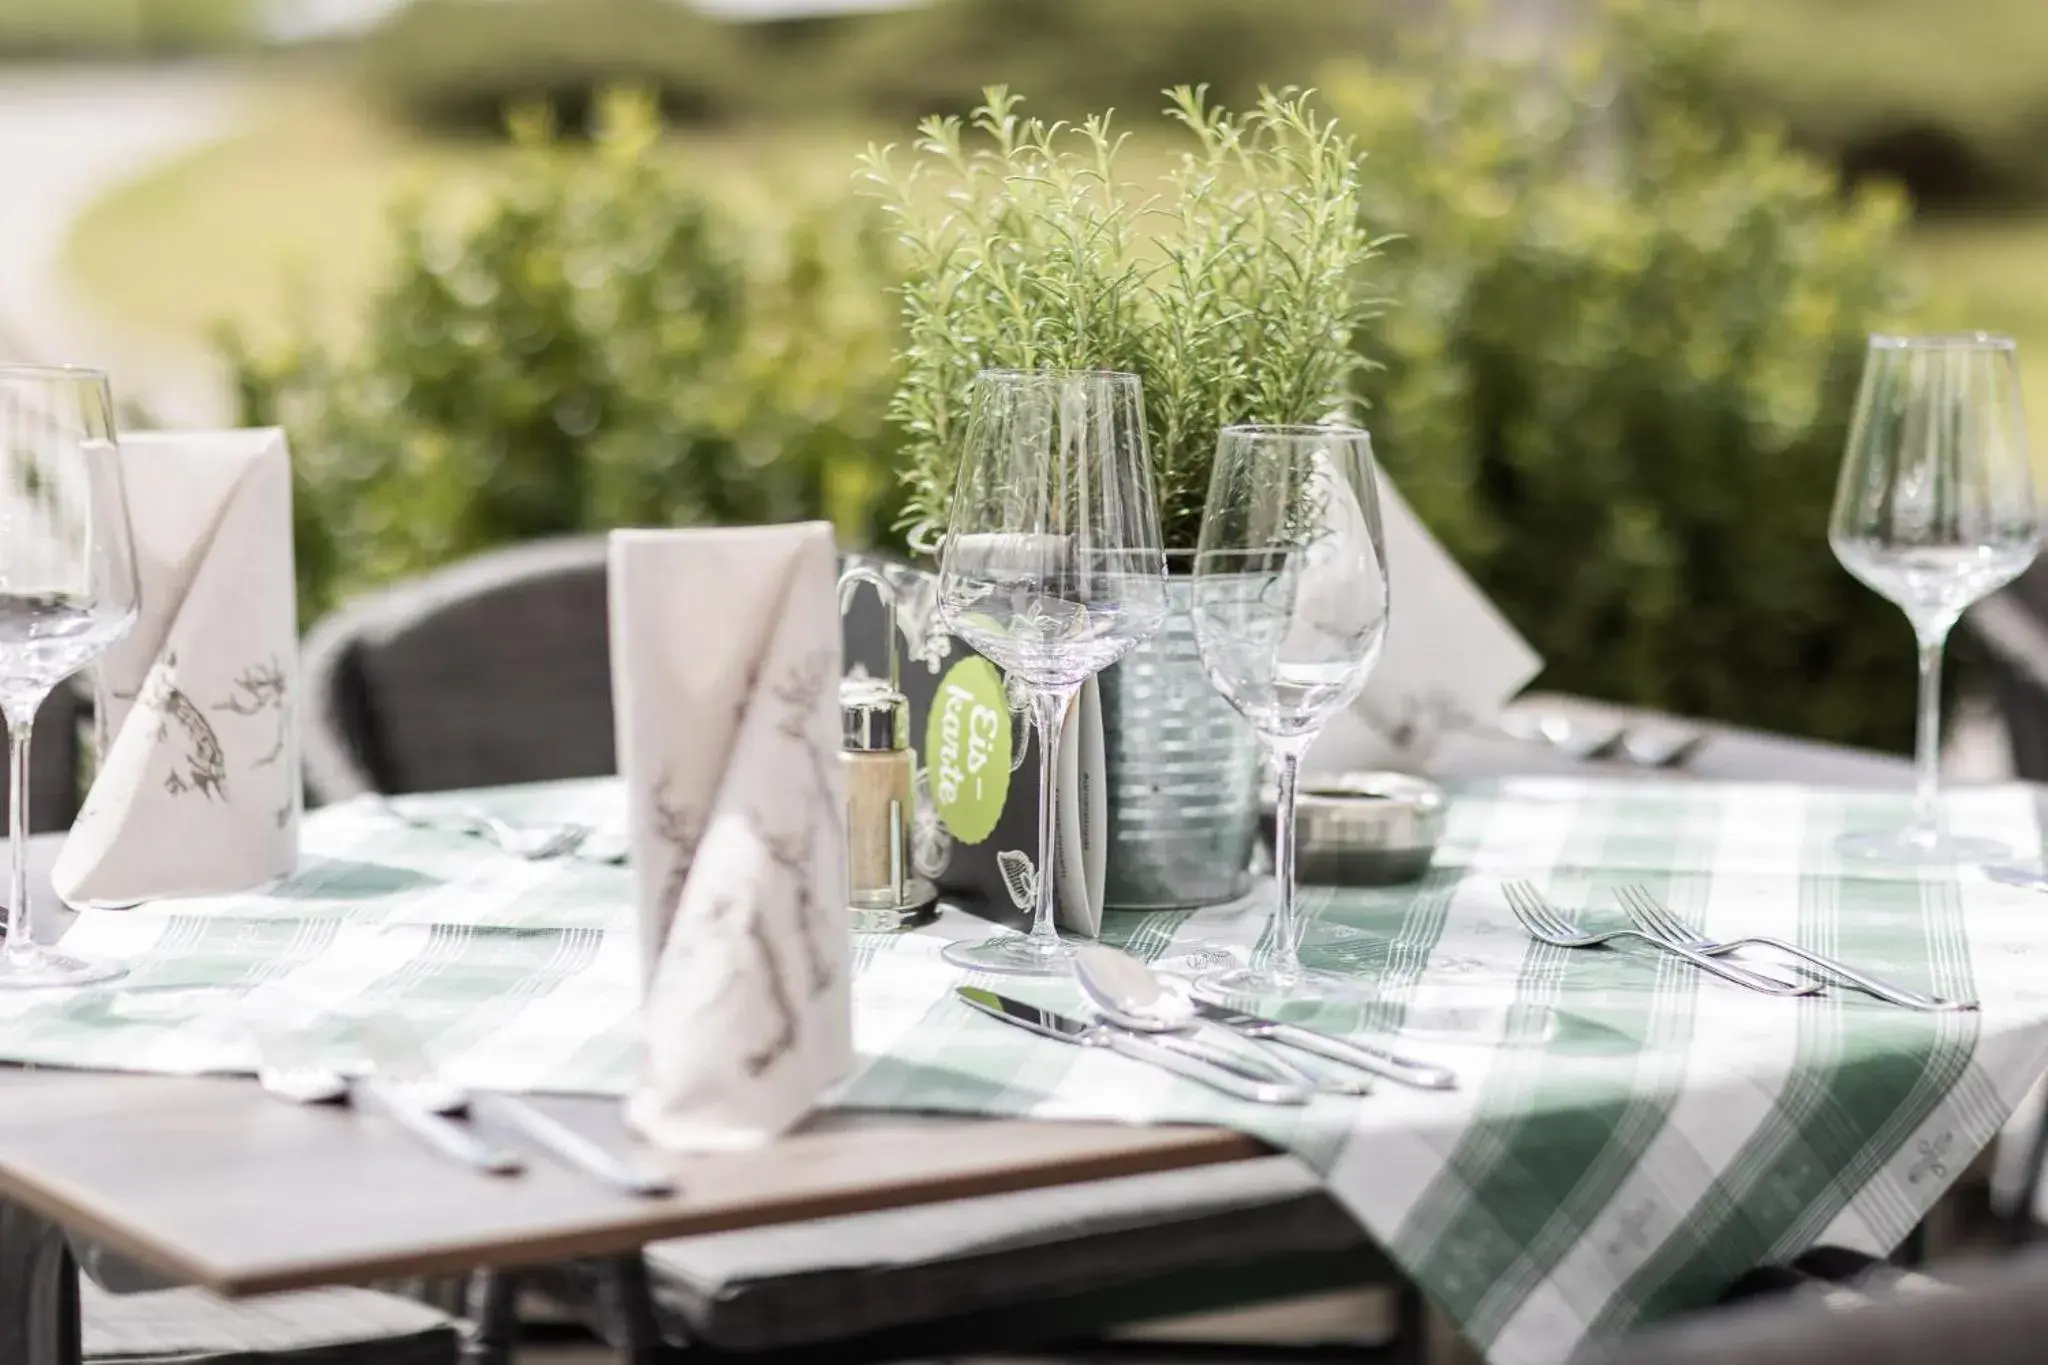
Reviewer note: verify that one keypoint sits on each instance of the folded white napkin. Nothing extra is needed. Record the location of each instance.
(725, 683)
(197, 789)
(1449, 663)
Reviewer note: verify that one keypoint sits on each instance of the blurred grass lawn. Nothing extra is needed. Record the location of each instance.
(102, 28)
(284, 229)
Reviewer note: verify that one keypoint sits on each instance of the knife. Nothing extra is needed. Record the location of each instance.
(1378, 1061)
(1050, 1024)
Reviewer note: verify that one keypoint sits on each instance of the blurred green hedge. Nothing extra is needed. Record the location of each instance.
(1623, 346)
(461, 64)
(600, 346)
(1623, 340)
(464, 65)
(1943, 98)
(1075, 57)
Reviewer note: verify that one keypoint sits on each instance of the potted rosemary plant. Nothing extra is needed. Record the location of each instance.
(1232, 281)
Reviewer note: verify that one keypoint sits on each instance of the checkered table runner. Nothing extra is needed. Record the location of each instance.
(1629, 1137)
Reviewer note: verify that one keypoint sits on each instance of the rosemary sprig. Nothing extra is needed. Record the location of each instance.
(1236, 289)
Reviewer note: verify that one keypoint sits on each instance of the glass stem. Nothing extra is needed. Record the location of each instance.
(1049, 712)
(20, 940)
(1927, 734)
(1284, 960)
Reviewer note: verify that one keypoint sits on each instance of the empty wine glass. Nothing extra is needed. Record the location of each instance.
(1290, 613)
(1934, 509)
(1052, 569)
(67, 591)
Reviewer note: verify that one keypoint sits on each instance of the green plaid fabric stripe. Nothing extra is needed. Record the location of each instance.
(1630, 1135)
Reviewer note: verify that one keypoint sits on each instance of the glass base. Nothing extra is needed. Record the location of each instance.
(1260, 983)
(1918, 846)
(1012, 955)
(33, 968)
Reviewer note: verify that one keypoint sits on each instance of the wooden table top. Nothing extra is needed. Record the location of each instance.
(214, 1183)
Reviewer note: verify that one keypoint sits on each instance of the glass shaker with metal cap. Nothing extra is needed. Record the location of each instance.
(884, 893)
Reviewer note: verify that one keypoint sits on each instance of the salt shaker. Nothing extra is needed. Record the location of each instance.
(885, 894)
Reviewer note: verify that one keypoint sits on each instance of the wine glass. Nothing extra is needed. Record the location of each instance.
(1933, 510)
(67, 591)
(1290, 613)
(1051, 568)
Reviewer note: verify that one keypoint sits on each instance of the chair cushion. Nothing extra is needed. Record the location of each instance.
(765, 1288)
(318, 1327)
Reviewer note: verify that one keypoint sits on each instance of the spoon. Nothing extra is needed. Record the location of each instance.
(1131, 995)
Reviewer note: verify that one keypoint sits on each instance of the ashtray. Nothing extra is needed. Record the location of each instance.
(1364, 829)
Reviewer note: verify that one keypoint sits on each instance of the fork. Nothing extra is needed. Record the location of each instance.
(1654, 918)
(405, 1085)
(289, 1069)
(1548, 926)
(535, 843)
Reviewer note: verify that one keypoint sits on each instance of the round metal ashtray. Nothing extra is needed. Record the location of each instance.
(1364, 829)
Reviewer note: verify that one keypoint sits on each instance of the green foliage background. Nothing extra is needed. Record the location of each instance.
(599, 346)
(1622, 336)
(1617, 374)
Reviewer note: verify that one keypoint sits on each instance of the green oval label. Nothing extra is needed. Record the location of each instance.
(967, 749)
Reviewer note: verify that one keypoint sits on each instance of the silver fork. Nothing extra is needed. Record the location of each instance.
(289, 1069)
(1654, 918)
(1548, 926)
(536, 843)
(405, 1085)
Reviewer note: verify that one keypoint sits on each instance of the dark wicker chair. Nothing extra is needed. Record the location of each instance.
(2009, 631)
(176, 1326)
(318, 1327)
(495, 670)
(148, 1324)
(2008, 635)
(56, 757)
(1994, 1315)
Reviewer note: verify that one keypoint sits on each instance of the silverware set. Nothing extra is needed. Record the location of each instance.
(405, 1088)
(1238, 1078)
(1157, 1019)
(1643, 745)
(1659, 927)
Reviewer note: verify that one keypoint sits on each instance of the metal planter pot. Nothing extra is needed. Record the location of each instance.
(1183, 773)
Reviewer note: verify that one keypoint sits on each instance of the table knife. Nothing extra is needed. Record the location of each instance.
(1378, 1061)
(1051, 1024)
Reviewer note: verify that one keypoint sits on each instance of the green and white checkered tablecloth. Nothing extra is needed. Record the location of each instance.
(1631, 1134)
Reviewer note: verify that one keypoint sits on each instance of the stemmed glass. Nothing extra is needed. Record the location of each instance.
(1052, 568)
(1290, 612)
(1933, 510)
(67, 591)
